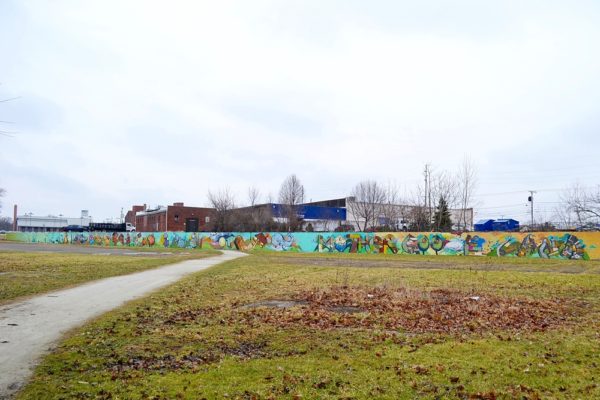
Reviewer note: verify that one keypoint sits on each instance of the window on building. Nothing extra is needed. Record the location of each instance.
(206, 220)
(176, 218)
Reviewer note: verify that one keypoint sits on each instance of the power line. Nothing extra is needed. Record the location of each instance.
(504, 206)
(524, 191)
(565, 168)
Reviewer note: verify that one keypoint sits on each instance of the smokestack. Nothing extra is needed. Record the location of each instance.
(15, 218)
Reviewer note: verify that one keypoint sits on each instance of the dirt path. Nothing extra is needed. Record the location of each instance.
(29, 329)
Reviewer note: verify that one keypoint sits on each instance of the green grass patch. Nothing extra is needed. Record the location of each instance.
(205, 337)
(29, 273)
(442, 261)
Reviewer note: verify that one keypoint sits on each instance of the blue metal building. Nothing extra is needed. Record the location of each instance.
(484, 225)
(311, 212)
(491, 225)
(507, 224)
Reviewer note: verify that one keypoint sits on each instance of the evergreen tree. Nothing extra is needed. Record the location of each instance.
(441, 218)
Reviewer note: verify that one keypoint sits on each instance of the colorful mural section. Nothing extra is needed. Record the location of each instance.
(550, 245)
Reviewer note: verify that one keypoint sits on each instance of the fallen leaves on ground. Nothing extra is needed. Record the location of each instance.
(436, 311)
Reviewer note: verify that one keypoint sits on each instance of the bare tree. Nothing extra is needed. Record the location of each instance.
(291, 195)
(565, 219)
(392, 209)
(291, 191)
(256, 217)
(437, 185)
(583, 204)
(253, 195)
(223, 202)
(417, 211)
(467, 183)
(419, 219)
(365, 204)
(444, 185)
(6, 223)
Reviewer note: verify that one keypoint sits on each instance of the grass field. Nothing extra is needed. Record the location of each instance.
(345, 327)
(24, 274)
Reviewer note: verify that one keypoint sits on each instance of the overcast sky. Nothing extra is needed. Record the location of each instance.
(131, 102)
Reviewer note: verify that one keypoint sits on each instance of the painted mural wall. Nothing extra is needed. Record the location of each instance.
(558, 245)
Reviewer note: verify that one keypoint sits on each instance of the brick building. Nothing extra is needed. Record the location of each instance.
(176, 217)
(130, 216)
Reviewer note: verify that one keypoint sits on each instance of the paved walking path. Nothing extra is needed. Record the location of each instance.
(28, 329)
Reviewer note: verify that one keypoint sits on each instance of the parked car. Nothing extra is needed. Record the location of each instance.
(75, 228)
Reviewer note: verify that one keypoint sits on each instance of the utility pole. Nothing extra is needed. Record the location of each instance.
(530, 199)
(427, 174)
(427, 195)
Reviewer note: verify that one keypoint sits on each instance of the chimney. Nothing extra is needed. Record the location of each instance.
(15, 218)
(178, 204)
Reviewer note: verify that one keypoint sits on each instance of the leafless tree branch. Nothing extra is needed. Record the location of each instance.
(291, 195)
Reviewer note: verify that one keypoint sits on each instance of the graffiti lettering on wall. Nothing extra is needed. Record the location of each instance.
(550, 246)
(235, 241)
(582, 246)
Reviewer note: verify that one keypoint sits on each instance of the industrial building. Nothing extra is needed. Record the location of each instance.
(176, 217)
(314, 217)
(497, 225)
(130, 216)
(29, 222)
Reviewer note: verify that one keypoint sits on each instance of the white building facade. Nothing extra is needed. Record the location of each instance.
(34, 223)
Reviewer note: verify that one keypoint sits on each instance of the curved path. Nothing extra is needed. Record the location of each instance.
(28, 329)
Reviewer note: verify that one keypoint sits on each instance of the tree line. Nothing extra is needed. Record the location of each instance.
(383, 207)
(370, 205)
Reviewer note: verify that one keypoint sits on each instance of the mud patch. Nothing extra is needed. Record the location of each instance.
(275, 304)
(190, 361)
(437, 311)
(346, 309)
